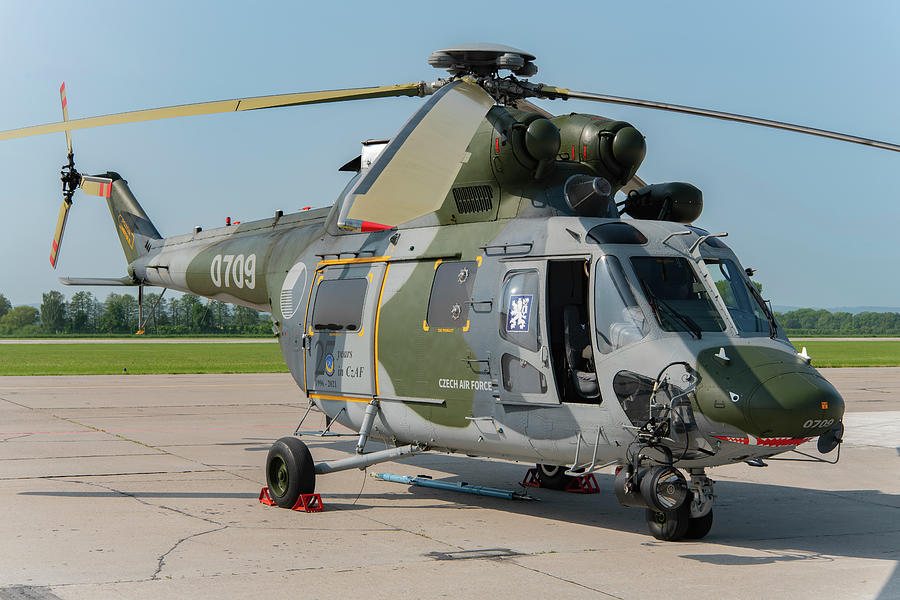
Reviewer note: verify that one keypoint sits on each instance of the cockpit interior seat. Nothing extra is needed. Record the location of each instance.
(579, 355)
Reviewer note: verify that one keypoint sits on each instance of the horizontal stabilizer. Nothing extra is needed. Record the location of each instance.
(123, 281)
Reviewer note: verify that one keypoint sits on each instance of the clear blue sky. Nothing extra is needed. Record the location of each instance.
(817, 218)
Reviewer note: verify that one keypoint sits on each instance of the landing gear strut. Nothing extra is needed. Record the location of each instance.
(291, 472)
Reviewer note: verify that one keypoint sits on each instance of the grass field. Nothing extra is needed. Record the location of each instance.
(876, 353)
(111, 359)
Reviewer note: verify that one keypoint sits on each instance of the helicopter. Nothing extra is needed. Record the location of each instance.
(475, 289)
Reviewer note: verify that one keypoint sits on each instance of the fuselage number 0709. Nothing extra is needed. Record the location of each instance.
(231, 270)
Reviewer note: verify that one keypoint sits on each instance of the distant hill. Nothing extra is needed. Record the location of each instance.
(853, 310)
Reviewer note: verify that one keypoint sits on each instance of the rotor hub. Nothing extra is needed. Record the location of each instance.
(483, 60)
(70, 178)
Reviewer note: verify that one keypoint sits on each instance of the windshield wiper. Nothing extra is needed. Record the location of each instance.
(656, 302)
(773, 326)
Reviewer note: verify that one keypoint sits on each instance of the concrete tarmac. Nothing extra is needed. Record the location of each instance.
(146, 487)
(137, 340)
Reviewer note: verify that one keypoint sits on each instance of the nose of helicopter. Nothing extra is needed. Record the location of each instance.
(794, 404)
(766, 392)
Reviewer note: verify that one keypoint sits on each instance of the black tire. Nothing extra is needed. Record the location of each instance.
(290, 471)
(698, 527)
(553, 477)
(669, 526)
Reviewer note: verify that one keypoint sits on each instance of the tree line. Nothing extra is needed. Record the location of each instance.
(807, 321)
(86, 314)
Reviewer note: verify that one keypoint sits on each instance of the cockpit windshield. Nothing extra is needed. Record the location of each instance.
(679, 300)
(746, 309)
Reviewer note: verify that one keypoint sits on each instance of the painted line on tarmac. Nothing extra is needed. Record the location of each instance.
(131, 387)
(139, 341)
(151, 430)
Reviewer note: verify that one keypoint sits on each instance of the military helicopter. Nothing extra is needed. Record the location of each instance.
(474, 289)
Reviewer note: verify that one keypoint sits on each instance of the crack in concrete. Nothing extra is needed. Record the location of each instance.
(161, 561)
(558, 578)
(145, 503)
(121, 437)
(162, 558)
(880, 532)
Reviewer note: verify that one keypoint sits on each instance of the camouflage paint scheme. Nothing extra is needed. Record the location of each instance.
(441, 386)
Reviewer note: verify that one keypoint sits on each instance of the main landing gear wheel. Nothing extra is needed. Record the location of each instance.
(553, 477)
(290, 471)
(698, 527)
(670, 525)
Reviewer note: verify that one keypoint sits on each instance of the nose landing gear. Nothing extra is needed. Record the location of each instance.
(692, 519)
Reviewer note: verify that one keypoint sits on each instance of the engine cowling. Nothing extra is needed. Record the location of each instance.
(674, 201)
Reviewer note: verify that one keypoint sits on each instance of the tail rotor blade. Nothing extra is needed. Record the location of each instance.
(65, 110)
(58, 236)
(96, 186)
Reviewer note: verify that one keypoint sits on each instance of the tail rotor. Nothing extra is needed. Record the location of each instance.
(71, 181)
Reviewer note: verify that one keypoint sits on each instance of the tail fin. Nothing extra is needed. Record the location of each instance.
(132, 223)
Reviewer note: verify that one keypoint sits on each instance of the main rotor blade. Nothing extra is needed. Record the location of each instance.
(220, 106)
(413, 174)
(60, 229)
(555, 92)
(65, 109)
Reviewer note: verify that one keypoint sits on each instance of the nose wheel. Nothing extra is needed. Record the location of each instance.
(671, 526)
(690, 521)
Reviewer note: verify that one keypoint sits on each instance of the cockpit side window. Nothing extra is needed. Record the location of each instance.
(678, 298)
(745, 311)
(618, 318)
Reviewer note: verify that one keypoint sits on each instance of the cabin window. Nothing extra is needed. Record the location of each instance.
(678, 298)
(618, 319)
(520, 377)
(520, 309)
(339, 305)
(451, 292)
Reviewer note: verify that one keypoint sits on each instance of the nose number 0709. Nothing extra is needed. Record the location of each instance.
(233, 271)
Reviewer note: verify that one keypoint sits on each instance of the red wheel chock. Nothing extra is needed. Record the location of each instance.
(531, 478)
(265, 498)
(309, 503)
(583, 484)
(305, 503)
(578, 484)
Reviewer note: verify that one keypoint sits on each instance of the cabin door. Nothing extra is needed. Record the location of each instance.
(523, 360)
(340, 325)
